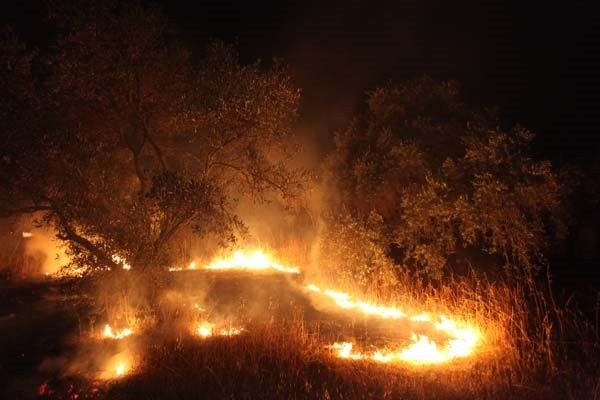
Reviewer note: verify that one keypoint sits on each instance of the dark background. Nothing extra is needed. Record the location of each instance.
(536, 60)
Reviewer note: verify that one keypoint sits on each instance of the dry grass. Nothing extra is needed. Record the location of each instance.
(285, 362)
(534, 348)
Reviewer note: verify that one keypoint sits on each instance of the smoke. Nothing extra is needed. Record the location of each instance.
(42, 246)
(29, 250)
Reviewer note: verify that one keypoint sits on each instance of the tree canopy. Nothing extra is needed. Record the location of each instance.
(126, 142)
(452, 188)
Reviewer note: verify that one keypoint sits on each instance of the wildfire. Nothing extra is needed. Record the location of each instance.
(109, 333)
(117, 366)
(429, 340)
(461, 340)
(120, 369)
(191, 266)
(253, 260)
(421, 351)
(345, 301)
(206, 329)
(256, 260)
(453, 339)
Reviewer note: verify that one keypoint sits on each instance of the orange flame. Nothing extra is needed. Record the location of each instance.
(206, 329)
(253, 260)
(117, 366)
(423, 350)
(109, 333)
(452, 337)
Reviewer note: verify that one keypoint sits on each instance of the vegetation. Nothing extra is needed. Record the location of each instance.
(125, 144)
(452, 189)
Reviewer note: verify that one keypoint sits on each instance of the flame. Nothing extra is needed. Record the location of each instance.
(253, 260)
(344, 350)
(108, 332)
(421, 351)
(117, 366)
(206, 329)
(423, 317)
(256, 260)
(344, 300)
(461, 340)
(120, 369)
(190, 266)
(434, 338)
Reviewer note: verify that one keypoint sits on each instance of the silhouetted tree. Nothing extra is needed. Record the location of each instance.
(452, 188)
(136, 143)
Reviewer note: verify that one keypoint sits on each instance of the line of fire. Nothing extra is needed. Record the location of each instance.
(197, 206)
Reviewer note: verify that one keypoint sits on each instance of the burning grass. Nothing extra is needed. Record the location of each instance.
(287, 358)
(226, 334)
(461, 338)
(108, 332)
(282, 360)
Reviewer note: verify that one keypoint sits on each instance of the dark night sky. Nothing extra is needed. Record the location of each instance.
(537, 61)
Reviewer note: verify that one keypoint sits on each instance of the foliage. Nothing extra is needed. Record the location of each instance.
(357, 248)
(130, 142)
(452, 187)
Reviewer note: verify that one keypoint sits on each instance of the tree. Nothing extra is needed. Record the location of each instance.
(135, 143)
(453, 189)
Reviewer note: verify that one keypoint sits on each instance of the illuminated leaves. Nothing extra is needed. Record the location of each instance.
(448, 183)
(142, 145)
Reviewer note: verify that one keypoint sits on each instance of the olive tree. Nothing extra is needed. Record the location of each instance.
(133, 142)
(453, 189)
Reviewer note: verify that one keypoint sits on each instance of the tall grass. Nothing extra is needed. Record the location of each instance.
(534, 348)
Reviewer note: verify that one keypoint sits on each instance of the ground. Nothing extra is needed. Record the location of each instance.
(50, 349)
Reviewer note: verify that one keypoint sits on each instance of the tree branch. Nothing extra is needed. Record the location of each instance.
(72, 236)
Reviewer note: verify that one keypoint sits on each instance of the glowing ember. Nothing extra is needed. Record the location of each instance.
(231, 331)
(27, 234)
(108, 332)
